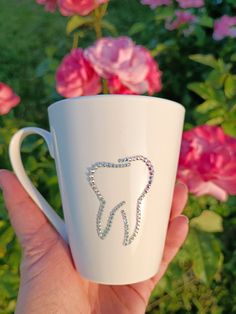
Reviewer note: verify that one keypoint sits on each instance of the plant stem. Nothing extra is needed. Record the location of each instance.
(97, 23)
(98, 16)
(105, 89)
(103, 9)
(75, 40)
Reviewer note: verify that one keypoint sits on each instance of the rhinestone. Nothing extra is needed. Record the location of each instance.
(102, 232)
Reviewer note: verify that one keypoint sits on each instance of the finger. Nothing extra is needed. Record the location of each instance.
(25, 216)
(176, 235)
(179, 200)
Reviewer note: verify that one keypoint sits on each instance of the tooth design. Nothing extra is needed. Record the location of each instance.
(122, 163)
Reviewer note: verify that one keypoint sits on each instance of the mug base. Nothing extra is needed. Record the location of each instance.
(122, 281)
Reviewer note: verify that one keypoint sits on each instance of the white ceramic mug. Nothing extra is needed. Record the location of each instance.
(116, 158)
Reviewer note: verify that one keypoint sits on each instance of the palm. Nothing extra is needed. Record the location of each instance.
(49, 281)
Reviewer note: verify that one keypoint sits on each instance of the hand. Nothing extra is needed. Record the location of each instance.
(49, 282)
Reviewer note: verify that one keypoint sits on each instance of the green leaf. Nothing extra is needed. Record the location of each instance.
(230, 127)
(208, 221)
(6, 237)
(218, 112)
(206, 254)
(31, 164)
(204, 90)
(229, 124)
(137, 28)
(215, 121)
(110, 27)
(223, 67)
(30, 145)
(217, 78)
(233, 57)
(230, 86)
(50, 51)
(200, 34)
(161, 47)
(77, 21)
(208, 60)
(207, 106)
(163, 12)
(206, 21)
(158, 50)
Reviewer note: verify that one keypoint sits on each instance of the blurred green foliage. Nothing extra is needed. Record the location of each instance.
(197, 71)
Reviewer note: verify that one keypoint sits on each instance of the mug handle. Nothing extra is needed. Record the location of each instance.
(17, 165)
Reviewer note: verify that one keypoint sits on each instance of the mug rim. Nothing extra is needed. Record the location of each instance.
(69, 100)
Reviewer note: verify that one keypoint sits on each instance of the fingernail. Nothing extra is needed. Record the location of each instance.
(182, 185)
(184, 218)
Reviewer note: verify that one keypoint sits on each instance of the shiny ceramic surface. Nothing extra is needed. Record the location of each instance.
(116, 158)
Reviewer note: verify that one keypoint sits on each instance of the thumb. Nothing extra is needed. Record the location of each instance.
(30, 224)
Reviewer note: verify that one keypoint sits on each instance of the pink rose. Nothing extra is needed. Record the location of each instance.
(75, 76)
(190, 3)
(153, 79)
(116, 87)
(208, 162)
(225, 27)
(8, 99)
(182, 18)
(156, 3)
(81, 7)
(131, 64)
(50, 5)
